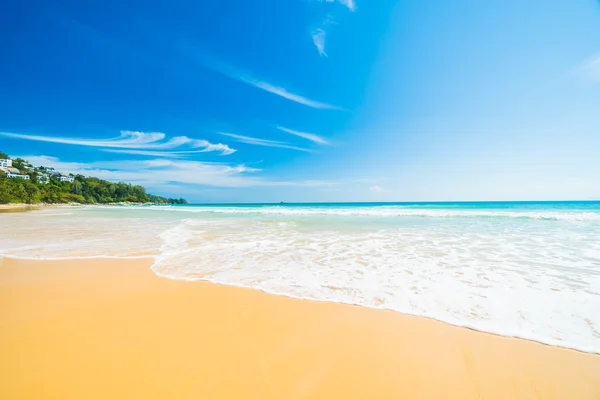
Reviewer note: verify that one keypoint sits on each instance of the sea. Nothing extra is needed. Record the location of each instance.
(520, 269)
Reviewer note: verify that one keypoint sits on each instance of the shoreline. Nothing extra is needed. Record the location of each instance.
(110, 328)
(273, 293)
(20, 207)
(36, 206)
(23, 207)
(152, 258)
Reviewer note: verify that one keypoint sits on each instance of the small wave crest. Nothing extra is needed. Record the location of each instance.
(387, 212)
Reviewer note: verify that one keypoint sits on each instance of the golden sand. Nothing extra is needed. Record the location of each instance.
(111, 329)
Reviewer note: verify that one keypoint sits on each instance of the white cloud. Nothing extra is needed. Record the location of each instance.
(158, 173)
(173, 154)
(591, 68)
(310, 136)
(279, 91)
(318, 37)
(239, 75)
(319, 34)
(262, 142)
(348, 3)
(376, 189)
(135, 141)
(225, 150)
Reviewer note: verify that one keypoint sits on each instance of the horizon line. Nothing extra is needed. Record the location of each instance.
(392, 202)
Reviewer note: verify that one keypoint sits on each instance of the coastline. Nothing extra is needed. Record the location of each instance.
(110, 328)
(16, 207)
(36, 206)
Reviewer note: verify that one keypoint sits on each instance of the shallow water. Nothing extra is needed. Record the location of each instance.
(529, 270)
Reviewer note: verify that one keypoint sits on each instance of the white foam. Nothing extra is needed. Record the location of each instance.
(51, 214)
(543, 288)
(379, 211)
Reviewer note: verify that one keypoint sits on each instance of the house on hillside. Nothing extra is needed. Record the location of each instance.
(5, 163)
(49, 170)
(15, 173)
(66, 178)
(43, 178)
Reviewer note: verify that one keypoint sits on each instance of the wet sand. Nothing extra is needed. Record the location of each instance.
(4, 208)
(111, 329)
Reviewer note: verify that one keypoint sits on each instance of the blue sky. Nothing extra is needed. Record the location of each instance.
(308, 100)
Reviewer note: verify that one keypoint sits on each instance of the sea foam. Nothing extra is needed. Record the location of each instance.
(383, 211)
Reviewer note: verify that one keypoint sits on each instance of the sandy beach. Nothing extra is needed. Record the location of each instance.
(19, 207)
(107, 328)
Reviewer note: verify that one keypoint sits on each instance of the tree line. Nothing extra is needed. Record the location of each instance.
(83, 190)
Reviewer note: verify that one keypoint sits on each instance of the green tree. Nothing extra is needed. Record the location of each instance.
(31, 192)
(15, 190)
(83, 190)
(5, 191)
(77, 188)
(19, 164)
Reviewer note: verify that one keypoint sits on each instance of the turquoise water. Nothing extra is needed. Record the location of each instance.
(502, 205)
(522, 269)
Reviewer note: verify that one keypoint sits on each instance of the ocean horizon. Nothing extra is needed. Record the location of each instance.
(400, 203)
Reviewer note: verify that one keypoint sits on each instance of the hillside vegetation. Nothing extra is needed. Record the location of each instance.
(84, 190)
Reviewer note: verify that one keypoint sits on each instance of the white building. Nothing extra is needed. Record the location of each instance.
(43, 178)
(49, 170)
(66, 178)
(15, 173)
(6, 163)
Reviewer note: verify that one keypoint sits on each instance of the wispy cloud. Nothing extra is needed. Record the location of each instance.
(247, 78)
(161, 173)
(262, 142)
(350, 4)
(591, 68)
(376, 189)
(175, 154)
(142, 143)
(158, 171)
(319, 35)
(150, 153)
(279, 91)
(309, 136)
